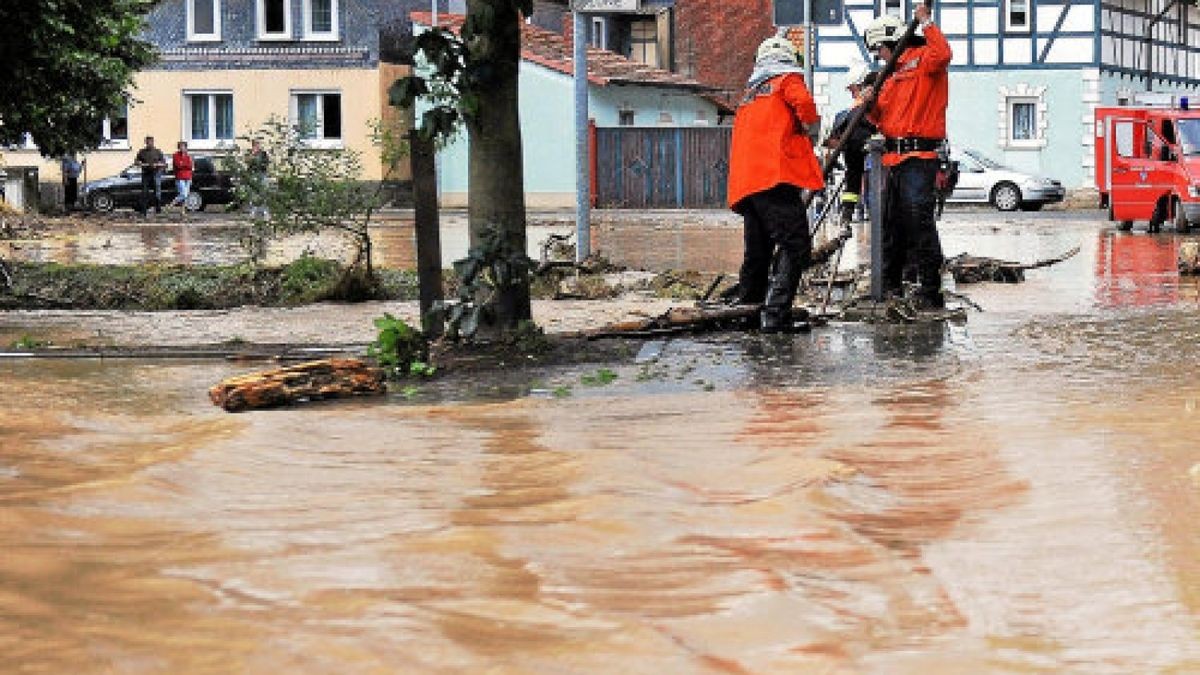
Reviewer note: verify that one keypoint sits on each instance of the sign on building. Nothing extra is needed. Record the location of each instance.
(825, 12)
(605, 5)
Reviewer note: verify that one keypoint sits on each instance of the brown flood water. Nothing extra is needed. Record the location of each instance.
(1017, 495)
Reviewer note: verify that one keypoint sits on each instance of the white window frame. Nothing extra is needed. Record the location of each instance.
(106, 131)
(261, 23)
(192, 35)
(881, 9)
(1008, 99)
(212, 142)
(1011, 27)
(294, 116)
(309, 33)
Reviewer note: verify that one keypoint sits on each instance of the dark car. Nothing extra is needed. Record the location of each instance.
(209, 186)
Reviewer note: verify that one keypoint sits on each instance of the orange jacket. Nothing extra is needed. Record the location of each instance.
(913, 100)
(770, 145)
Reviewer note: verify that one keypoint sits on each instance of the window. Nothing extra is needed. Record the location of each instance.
(597, 35)
(208, 119)
(891, 7)
(320, 19)
(1024, 117)
(643, 42)
(318, 117)
(274, 20)
(625, 118)
(1022, 120)
(115, 129)
(203, 20)
(1123, 137)
(1016, 15)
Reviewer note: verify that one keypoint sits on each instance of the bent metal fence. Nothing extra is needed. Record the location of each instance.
(661, 167)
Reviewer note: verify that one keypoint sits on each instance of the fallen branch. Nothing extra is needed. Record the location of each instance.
(676, 320)
(969, 269)
(327, 378)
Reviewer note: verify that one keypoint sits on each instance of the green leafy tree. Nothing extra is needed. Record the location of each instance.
(64, 66)
(307, 189)
(471, 79)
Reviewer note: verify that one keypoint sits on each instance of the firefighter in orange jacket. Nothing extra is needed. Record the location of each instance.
(771, 160)
(910, 112)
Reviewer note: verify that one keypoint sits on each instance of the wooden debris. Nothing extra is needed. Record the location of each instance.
(680, 320)
(1189, 257)
(327, 378)
(969, 269)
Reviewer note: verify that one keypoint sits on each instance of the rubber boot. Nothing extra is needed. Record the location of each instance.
(785, 278)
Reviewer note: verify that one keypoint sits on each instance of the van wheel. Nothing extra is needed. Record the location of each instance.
(1181, 222)
(1006, 197)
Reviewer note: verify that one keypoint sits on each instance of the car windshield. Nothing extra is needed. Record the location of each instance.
(1189, 136)
(986, 162)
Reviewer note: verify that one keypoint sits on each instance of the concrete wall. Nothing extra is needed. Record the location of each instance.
(548, 131)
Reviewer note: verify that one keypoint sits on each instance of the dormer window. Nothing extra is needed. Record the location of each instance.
(320, 19)
(274, 20)
(203, 20)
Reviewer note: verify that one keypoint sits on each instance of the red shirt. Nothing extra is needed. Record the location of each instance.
(183, 165)
(770, 146)
(912, 103)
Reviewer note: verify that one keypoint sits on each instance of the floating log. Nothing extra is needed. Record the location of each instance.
(327, 378)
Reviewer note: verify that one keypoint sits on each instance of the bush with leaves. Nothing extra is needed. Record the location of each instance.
(310, 189)
(400, 349)
(489, 268)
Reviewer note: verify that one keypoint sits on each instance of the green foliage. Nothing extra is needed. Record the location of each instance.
(399, 348)
(600, 378)
(67, 65)
(310, 189)
(562, 391)
(28, 342)
(495, 264)
(158, 287)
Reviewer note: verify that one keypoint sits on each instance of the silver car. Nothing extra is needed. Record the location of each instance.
(984, 180)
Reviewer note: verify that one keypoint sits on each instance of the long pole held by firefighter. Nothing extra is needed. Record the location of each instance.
(868, 103)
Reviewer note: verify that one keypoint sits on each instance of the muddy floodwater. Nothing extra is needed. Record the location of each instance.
(1019, 494)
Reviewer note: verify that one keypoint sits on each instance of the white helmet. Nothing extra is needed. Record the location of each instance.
(882, 30)
(777, 49)
(858, 72)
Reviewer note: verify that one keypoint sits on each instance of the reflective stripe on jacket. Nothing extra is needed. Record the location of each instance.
(913, 101)
(770, 145)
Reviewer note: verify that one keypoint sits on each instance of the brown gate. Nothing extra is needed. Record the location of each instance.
(648, 167)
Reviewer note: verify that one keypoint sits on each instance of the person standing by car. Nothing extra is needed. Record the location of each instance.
(71, 168)
(910, 112)
(771, 161)
(152, 162)
(181, 163)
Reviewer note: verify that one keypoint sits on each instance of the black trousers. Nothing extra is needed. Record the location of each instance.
(151, 192)
(910, 242)
(70, 192)
(773, 219)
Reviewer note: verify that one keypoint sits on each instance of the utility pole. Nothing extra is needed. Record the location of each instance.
(583, 164)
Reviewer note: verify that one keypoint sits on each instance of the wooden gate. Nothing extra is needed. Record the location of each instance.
(647, 167)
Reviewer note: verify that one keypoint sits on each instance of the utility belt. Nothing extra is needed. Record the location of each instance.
(912, 144)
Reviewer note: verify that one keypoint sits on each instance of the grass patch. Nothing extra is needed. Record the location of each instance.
(169, 287)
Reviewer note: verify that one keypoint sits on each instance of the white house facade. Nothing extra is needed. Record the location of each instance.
(1028, 74)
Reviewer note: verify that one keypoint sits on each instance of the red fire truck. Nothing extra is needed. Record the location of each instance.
(1148, 164)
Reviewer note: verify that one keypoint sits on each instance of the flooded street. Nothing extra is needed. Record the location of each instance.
(1013, 495)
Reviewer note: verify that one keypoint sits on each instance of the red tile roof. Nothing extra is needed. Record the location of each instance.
(551, 50)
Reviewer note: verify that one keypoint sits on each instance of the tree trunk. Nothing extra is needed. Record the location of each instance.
(429, 245)
(496, 197)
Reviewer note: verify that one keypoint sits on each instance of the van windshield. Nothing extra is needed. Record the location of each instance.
(1189, 136)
